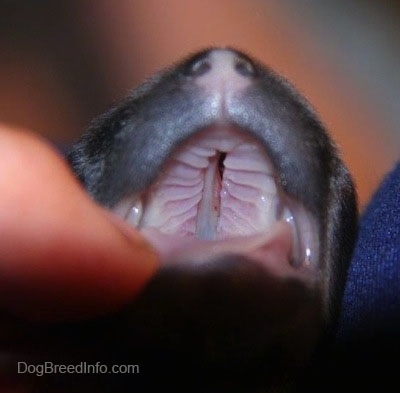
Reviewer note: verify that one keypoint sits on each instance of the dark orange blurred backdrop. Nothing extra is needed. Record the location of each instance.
(61, 63)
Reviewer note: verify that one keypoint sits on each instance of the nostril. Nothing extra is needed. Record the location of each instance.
(199, 66)
(244, 67)
(220, 64)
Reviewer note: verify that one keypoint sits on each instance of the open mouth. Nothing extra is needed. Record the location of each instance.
(219, 193)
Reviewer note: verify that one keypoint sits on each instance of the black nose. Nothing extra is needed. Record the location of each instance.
(204, 62)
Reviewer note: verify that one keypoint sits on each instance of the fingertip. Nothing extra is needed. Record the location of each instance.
(62, 257)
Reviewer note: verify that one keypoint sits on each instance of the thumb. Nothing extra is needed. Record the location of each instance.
(61, 255)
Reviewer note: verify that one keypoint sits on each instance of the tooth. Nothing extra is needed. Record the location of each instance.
(297, 257)
(305, 239)
(135, 213)
(307, 259)
(130, 209)
(308, 236)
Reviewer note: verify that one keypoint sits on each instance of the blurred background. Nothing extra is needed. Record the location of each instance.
(61, 63)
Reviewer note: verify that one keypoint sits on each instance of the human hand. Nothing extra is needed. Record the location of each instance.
(62, 257)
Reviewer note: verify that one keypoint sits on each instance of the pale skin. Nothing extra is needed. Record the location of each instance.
(62, 257)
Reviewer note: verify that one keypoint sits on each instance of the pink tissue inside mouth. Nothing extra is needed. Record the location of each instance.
(272, 249)
(218, 184)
